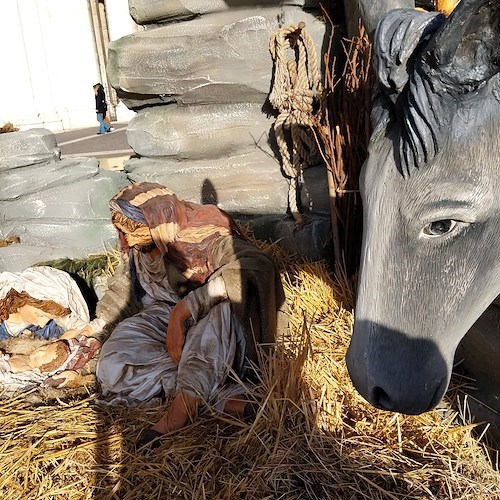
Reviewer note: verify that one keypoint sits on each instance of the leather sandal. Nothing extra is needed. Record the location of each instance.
(250, 411)
(148, 439)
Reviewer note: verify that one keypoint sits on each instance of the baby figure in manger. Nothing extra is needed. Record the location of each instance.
(46, 334)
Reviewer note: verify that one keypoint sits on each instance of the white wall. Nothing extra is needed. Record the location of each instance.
(120, 24)
(119, 21)
(49, 62)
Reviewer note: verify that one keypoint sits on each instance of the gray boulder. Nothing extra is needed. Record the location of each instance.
(216, 58)
(148, 11)
(199, 131)
(251, 184)
(31, 179)
(245, 184)
(19, 149)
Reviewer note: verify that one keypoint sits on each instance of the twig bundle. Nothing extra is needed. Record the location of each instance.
(343, 130)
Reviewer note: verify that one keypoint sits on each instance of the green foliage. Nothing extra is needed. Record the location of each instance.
(88, 268)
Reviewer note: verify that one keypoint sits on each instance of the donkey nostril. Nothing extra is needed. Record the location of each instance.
(381, 399)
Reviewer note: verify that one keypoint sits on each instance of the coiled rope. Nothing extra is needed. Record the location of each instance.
(296, 90)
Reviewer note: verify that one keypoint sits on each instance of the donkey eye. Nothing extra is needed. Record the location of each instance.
(440, 227)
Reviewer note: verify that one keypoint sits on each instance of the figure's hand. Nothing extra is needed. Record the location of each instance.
(87, 331)
(176, 330)
(70, 334)
(67, 378)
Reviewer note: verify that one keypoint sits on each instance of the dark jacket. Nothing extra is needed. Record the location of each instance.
(100, 102)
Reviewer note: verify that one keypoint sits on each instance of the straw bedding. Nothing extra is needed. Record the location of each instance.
(314, 437)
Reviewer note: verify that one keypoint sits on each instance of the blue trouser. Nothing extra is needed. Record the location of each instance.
(103, 126)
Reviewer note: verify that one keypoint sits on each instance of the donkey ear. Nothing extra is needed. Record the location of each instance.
(467, 48)
(399, 33)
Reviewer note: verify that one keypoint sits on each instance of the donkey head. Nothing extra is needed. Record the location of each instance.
(430, 187)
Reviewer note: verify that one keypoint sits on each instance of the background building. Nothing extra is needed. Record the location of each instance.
(53, 51)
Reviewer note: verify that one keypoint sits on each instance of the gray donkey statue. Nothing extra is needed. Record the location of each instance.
(431, 198)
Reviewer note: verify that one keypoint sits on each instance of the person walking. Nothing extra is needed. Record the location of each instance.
(101, 108)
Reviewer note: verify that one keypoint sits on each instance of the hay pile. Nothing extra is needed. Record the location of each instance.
(314, 438)
(8, 127)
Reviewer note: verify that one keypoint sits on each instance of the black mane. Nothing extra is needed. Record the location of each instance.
(409, 92)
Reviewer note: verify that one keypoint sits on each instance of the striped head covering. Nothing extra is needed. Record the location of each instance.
(151, 214)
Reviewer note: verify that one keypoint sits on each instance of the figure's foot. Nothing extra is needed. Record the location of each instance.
(110, 129)
(242, 408)
(182, 409)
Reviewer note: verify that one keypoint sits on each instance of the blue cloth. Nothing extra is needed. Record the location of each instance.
(137, 290)
(50, 331)
(103, 126)
(127, 209)
(4, 334)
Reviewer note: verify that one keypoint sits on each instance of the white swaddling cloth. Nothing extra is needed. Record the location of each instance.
(48, 283)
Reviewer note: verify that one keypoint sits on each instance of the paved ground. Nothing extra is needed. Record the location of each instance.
(86, 142)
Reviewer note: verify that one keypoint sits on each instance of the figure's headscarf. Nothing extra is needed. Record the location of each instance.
(149, 213)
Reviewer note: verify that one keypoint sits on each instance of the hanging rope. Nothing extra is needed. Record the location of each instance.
(296, 88)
